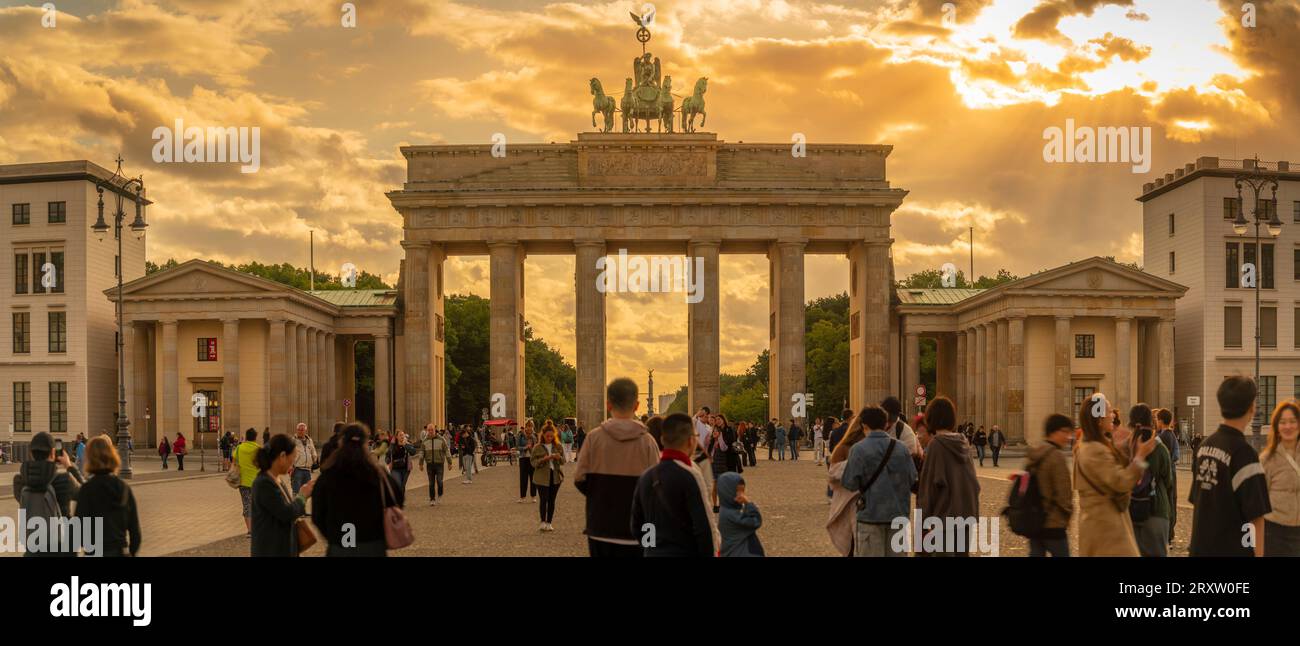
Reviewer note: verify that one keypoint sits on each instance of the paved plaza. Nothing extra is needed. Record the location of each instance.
(484, 519)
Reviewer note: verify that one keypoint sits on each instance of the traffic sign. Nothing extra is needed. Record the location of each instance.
(920, 390)
(919, 402)
(347, 403)
(1193, 400)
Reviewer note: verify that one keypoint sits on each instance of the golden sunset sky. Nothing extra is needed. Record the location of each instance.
(963, 96)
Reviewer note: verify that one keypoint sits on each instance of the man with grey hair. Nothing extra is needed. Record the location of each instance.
(304, 456)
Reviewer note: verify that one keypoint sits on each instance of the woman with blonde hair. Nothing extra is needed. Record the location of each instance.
(841, 523)
(1282, 471)
(109, 497)
(1104, 477)
(547, 458)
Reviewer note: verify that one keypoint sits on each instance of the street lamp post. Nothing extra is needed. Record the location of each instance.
(1257, 182)
(119, 184)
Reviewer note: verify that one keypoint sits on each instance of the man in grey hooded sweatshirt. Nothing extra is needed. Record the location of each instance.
(613, 457)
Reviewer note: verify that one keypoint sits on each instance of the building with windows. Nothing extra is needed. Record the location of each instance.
(1014, 354)
(58, 366)
(1188, 238)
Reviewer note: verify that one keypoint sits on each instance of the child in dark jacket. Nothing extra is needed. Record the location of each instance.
(669, 512)
(739, 519)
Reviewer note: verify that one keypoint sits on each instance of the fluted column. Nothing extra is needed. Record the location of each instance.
(702, 361)
(589, 305)
(230, 411)
(990, 375)
(507, 326)
(1015, 430)
(1003, 359)
(332, 405)
(138, 394)
(960, 395)
(1165, 336)
(911, 369)
(169, 407)
(320, 389)
(383, 383)
(1123, 365)
(787, 373)
(275, 353)
(1062, 385)
(972, 376)
(304, 380)
(290, 383)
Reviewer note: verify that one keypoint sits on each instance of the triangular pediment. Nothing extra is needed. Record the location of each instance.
(199, 278)
(1095, 275)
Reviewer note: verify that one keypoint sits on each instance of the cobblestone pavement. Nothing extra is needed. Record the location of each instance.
(484, 519)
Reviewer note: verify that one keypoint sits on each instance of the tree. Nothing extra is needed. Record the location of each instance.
(933, 279)
(286, 274)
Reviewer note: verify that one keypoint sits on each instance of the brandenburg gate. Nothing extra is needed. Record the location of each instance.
(662, 192)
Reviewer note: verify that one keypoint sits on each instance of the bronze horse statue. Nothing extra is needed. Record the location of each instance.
(601, 104)
(694, 104)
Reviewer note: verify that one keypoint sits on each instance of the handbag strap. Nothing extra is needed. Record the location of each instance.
(880, 468)
(384, 489)
(1292, 461)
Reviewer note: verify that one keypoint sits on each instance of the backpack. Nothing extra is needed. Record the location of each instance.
(1141, 503)
(1024, 510)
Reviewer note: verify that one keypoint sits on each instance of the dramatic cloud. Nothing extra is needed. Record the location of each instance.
(963, 95)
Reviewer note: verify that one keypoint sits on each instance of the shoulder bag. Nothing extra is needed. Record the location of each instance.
(397, 531)
(884, 461)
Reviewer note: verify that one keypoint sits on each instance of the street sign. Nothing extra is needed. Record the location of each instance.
(920, 390)
(1193, 400)
(347, 403)
(919, 402)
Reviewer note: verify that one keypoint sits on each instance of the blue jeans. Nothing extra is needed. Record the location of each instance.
(402, 475)
(979, 451)
(299, 478)
(780, 451)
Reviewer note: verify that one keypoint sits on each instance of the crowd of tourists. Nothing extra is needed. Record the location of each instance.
(672, 485)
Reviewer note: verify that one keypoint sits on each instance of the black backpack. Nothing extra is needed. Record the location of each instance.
(1141, 502)
(1024, 511)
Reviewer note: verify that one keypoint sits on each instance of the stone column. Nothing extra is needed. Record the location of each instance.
(437, 343)
(1165, 336)
(911, 369)
(169, 407)
(139, 399)
(349, 351)
(276, 351)
(1122, 399)
(383, 384)
(787, 372)
(418, 404)
(959, 396)
(304, 380)
(972, 376)
(702, 330)
(1015, 430)
(1062, 385)
(332, 405)
(230, 420)
(319, 390)
(507, 327)
(990, 376)
(129, 343)
(589, 308)
(290, 383)
(1004, 358)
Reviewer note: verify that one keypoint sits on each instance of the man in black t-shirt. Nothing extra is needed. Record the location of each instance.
(1229, 491)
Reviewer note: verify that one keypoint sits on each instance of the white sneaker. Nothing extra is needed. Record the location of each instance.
(550, 527)
(433, 502)
(521, 500)
(542, 527)
(534, 501)
(464, 481)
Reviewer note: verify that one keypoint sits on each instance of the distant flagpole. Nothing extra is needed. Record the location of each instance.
(971, 280)
(312, 257)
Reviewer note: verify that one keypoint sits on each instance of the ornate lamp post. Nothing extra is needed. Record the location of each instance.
(119, 184)
(1257, 182)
